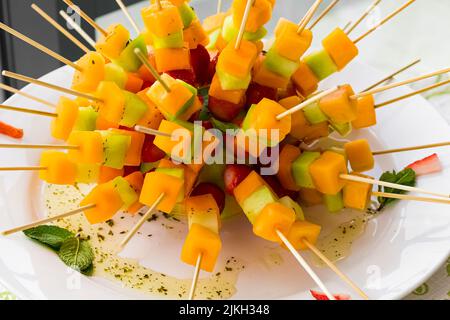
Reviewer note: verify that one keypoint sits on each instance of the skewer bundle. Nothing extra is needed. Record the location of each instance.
(133, 94)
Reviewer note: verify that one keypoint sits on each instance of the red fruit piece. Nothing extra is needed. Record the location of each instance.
(322, 296)
(427, 165)
(212, 66)
(187, 76)
(200, 60)
(129, 170)
(224, 110)
(233, 175)
(257, 92)
(276, 186)
(150, 152)
(212, 189)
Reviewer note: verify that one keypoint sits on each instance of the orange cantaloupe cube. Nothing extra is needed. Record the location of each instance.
(136, 181)
(338, 106)
(340, 47)
(288, 154)
(214, 22)
(266, 112)
(162, 22)
(59, 168)
(195, 35)
(90, 147)
(274, 217)
(103, 124)
(302, 230)
(265, 77)
(168, 59)
(166, 144)
(67, 113)
(365, 112)
(169, 102)
(115, 41)
(107, 174)
(112, 105)
(201, 240)
(91, 73)
(260, 14)
(290, 44)
(107, 203)
(134, 152)
(356, 195)
(216, 91)
(238, 62)
(326, 172)
(157, 183)
(249, 185)
(153, 117)
(305, 81)
(360, 155)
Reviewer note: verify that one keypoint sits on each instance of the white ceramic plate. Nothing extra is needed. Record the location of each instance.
(399, 249)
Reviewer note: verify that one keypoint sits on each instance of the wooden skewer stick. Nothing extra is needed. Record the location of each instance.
(347, 26)
(49, 85)
(335, 269)
(195, 277)
(409, 197)
(219, 6)
(47, 220)
(324, 13)
(389, 17)
(306, 103)
(77, 28)
(309, 15)
(26, 95)
(399, 84)
(363, 16)
(30, 111)
(152, 69)
(427, 146)
(38, 146)
(56, 25)
(240, 36)
(305, 265)
(392, 75)
(151, 132)
(23, 168)
(158, 4)
(127, 14)
(138, 225)
(39, 46)
(409, 95)
(85, 17)
(392, 185)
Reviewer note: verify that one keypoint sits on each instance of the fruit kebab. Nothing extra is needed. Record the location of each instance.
(338, 51)
(202, 245)
(273, 218)
(102, 203)
(236, 60)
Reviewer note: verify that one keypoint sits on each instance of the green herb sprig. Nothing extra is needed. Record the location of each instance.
(71, 249)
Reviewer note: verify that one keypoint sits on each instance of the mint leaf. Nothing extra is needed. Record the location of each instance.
(406, 177)
(204, 113)
(76, 253)
(51, 236)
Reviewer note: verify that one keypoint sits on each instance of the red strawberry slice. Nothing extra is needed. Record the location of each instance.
(224, 110)
(150, 152)
(257, 92)
(186, 75)
(200, 60)
(322, 296)
(427, 165)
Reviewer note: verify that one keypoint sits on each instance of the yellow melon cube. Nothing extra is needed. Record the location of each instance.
(302, 230)
(90, 145)
(62, 125)
(92, 72)
(365, 113)
(340, 47)
(357, 194)
(59, 168)
(274, 217)
(338, 106)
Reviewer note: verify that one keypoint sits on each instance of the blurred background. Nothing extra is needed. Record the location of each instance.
(420, 32)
